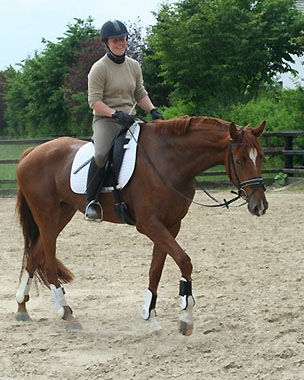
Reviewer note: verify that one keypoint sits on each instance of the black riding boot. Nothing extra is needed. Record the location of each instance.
(96, 176)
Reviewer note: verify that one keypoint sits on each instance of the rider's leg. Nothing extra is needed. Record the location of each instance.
(93, 209)
(105, 131)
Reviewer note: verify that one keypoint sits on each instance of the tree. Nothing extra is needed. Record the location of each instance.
(15, 102)
(155, 83)
(76, 85)
(136, 41)
(2, 102)
(225, 50)
(42, 107)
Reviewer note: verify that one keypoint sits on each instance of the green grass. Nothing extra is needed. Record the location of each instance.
(10, 152)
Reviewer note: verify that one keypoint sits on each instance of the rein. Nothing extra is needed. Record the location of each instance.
(240, 194)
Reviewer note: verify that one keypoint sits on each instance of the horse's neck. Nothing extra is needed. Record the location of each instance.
(193, 153)
(199, 152)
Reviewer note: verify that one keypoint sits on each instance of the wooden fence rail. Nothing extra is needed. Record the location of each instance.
(287, 150)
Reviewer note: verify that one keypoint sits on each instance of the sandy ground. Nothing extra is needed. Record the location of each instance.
(247, 280)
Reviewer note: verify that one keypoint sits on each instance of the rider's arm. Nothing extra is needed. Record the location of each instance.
(146, 104)
(101, 108)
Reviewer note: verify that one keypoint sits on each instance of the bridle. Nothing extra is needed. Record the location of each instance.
(252, 182)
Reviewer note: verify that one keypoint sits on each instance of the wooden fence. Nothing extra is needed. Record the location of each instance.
(287, 149)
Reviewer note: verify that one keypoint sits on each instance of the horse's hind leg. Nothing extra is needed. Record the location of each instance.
(22, 295)
(49, 235)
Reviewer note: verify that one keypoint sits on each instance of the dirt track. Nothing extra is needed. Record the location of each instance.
(247, 280)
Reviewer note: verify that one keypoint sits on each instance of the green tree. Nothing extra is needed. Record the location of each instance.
(15, 102)
(42, 108)
(222, 51)
(76, 85)
(155, 83)
(2, 102)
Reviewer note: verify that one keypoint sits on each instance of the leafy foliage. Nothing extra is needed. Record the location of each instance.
(2, 102)
(282, 109)
(76, 85)
(225, 50)
(35, 95)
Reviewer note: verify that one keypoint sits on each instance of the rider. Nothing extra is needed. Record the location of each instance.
(115, 84)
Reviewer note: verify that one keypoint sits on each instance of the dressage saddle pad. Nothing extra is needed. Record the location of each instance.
(79, 171)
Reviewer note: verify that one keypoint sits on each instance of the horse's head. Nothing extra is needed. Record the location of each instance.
(244, 165)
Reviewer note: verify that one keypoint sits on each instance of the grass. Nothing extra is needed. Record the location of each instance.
(10, 152)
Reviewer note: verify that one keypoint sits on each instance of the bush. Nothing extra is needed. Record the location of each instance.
(283, 110)
(177, 110)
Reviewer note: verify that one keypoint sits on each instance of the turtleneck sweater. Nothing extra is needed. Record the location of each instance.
(117, 85)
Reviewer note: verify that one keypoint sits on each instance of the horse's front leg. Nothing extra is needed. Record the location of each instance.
(34, 258)
(164, 240)
(155, 272)
(156, 268)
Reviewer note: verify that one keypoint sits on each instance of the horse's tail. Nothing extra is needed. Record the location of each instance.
(31, 234)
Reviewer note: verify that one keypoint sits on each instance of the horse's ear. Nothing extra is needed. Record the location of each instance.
(235, 134)
(258, 131)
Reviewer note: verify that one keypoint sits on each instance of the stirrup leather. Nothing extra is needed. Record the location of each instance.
(95, 217)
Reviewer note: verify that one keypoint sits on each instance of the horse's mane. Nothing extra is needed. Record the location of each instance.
(180, 126)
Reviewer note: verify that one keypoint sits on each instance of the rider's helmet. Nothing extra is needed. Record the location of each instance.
(112, 29)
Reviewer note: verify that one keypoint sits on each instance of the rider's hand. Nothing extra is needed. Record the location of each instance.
(156, 115)
(123, 118)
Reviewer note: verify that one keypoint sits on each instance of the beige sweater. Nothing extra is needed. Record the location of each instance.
(117, 85)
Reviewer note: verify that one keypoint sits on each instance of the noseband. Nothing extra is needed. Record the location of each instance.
(252, 182)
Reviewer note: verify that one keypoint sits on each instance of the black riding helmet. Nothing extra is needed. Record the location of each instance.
(112, 29)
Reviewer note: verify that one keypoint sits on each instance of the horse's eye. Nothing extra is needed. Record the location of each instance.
(238, 161)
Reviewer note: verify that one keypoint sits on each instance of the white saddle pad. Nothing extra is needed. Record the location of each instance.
(78, 178)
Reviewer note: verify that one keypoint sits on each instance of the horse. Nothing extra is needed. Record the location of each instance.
(171, 153)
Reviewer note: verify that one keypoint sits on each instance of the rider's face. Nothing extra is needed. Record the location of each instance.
(118, 45)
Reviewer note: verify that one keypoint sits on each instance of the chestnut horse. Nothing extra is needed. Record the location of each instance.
(171, 153)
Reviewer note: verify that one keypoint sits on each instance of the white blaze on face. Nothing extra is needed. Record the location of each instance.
(253, 155)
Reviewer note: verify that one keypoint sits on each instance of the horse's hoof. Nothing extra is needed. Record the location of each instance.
(74, 326)
(22, 317)
(185, 328)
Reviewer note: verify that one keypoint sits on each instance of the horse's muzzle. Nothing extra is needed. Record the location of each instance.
(257, 203)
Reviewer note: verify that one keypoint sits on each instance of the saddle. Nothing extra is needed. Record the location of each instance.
(119, 169)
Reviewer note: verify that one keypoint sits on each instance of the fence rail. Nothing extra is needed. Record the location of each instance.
(287, 150)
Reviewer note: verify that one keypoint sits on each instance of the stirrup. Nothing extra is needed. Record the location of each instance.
(94, 217)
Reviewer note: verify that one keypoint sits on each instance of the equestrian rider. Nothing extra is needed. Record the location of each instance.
(115, 83)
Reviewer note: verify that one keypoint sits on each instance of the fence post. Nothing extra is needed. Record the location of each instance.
(288, 158)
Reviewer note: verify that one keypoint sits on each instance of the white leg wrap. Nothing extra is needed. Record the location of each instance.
(187, 314)
(185, 294)
(149, 305)
(59, 299)
(24, 286)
